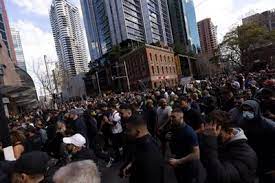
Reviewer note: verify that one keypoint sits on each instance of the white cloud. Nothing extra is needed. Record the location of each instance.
(36, 43)
(39, 7)
(227, 13)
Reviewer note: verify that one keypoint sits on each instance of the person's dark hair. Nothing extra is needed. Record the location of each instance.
(222, 118)
(137, 120)
(17, 136)
(183, 98)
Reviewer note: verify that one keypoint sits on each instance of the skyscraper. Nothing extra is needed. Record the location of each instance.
(110, 23)
(184, 25)
(5, 31)
(18, 49)
(68, 37)
(208, 37)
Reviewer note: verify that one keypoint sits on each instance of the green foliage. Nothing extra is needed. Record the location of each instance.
(242, 39)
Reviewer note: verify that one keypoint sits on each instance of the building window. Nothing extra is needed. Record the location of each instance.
(170, 70)
(160, 59)
(162, 69)
(174, 69)
(151, 57)
(164, 58)
(158, 69)
(166, 70)
(156, 57)
(153, 70)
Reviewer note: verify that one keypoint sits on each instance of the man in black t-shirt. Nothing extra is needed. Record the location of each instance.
(146, 163)
(191, 117)
(185, 149)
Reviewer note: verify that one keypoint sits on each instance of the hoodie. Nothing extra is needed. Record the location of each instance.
(234, 161)
(260, 132)
(238, 135)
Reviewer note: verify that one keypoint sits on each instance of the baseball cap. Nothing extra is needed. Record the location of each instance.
(78, 140)
(32, 163)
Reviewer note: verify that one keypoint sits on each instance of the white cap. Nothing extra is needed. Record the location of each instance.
(78, 140)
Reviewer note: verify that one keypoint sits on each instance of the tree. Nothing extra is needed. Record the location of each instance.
(243, 39)
(45, 79)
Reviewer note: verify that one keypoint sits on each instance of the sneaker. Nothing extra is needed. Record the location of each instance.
(110, 163)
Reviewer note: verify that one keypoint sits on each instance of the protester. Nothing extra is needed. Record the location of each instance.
(75, 124)
(163, 112)
(185, 149)
(77, 149)
(191, 116)
(260, 132)
(30, 168)
(96, 128)
(225, 153)
(146, 164)
(78, 172)
(18, 143)
(151, 117)
(114, 120)
(41, 130)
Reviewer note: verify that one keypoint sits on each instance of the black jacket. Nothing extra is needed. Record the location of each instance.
(151, 119)
(84, 154)
(261, 137)
(148, 163)
(234, 162)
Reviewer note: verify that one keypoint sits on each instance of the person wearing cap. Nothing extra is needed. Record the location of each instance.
(75, 146)
(30, 168)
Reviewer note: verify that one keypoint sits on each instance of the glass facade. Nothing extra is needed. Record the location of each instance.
(103, 31)
(115, 21)
(133, 20)
(18, 49)
(191, 25)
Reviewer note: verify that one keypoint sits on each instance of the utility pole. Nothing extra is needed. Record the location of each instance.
(55, 82)
(98, 84)
(47, 70)
(127, 77)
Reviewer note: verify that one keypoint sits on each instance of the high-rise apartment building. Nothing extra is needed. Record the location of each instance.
(18, 49)
(208, 37)
(266, 19)
(68, 37)
(111, 22)
(5, 31)
(184, 25)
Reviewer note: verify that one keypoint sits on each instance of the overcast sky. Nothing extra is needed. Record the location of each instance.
(32, 19)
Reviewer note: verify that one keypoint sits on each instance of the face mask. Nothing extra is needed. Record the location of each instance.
(248, 115)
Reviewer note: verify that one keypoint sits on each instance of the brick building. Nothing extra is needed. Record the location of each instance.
(151, 66)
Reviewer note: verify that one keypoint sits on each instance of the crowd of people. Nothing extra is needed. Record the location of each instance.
(218, 130)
